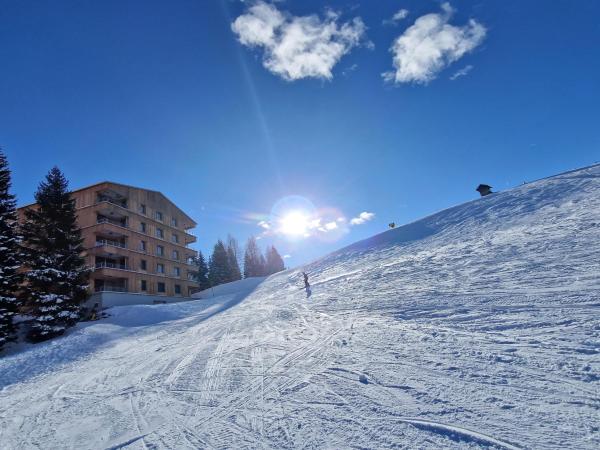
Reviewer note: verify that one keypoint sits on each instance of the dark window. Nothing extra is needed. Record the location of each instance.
(174, 221)
(160, 233)
(160, 287)
(143, 246)
(143, 265)
(177, 289)
(160, 268)
(160, 250)
(159, 216)
(143, 209)
(143, 227)
(175, 238)
(143, 285)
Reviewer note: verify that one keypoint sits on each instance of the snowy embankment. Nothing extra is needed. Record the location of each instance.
(478, 326)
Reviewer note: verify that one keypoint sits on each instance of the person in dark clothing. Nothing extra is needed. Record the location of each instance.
(307, 285)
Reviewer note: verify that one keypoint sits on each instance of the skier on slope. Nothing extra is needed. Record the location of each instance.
(306, 285)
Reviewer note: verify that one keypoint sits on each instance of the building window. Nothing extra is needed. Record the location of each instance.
(143, 209)
(173, 221)
(160, 268)
(176, 271)
(143, 285)
(160, 250)
(160, 287)
(175, 255)
(143, 227)
(158, 216)
(175, 238)
(143, 265)
(160, 233)
(178, 289)
(143, 246)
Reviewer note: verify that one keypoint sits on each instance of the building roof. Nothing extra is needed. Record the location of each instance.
(127, 186)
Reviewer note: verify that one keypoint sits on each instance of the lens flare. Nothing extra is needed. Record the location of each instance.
(294, 223)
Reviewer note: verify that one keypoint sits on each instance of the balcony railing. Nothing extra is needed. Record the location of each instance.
(110, 289)
(114, 222)
(109, 265)
(108, 242)
(107, 199)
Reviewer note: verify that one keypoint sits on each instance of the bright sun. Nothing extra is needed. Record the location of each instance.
(294, 223)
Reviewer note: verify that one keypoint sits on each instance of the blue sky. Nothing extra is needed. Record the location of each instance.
(225, 108)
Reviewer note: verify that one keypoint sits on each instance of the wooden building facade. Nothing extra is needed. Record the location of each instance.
(136, 240)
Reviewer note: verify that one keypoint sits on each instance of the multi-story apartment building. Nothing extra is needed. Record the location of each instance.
(136, 240)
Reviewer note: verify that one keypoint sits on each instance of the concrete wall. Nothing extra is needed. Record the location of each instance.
(108, 299)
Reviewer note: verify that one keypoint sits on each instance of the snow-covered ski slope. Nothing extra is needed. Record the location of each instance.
(478, 326)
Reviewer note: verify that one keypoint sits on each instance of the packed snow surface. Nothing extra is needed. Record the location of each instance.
(478, 326)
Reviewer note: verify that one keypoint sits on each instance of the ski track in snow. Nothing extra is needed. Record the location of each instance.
(478, 326)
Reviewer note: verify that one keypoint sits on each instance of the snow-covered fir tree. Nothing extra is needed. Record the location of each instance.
(253, 259)
(274, 261)
(56, 276)
(218, 269)
(200, 272)
(9, 256)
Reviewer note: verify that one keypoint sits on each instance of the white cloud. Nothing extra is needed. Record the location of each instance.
(264, 224)
(462, 72)
(431, 44)
(287, 256)
(400, 15)
(362, 218)
(297, 47)
(331, 226)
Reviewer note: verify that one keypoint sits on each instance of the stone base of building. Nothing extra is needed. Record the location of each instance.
(101, 300)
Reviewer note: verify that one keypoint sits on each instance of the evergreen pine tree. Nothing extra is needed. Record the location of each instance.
(56, 277)
(200, 272)
(233, 251)
(253, 266)
(219, 271)
(262, 265)
(9, 256)
(274, 261)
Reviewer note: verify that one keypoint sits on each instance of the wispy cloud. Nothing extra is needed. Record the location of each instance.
(297, 47)
(264, 224)
(462, 72)
(400, 15)
(431, 44)
(362, 218)
(348, 70)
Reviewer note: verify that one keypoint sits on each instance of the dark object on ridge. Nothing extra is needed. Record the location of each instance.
(392, 225)
(484, 189)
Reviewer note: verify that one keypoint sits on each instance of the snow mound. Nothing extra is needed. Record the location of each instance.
(478, 326)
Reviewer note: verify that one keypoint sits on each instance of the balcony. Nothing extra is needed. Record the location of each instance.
(110, 243)
(111, 196)
(118, 222)
(111, 265)
(113, 212)
(110, 285)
